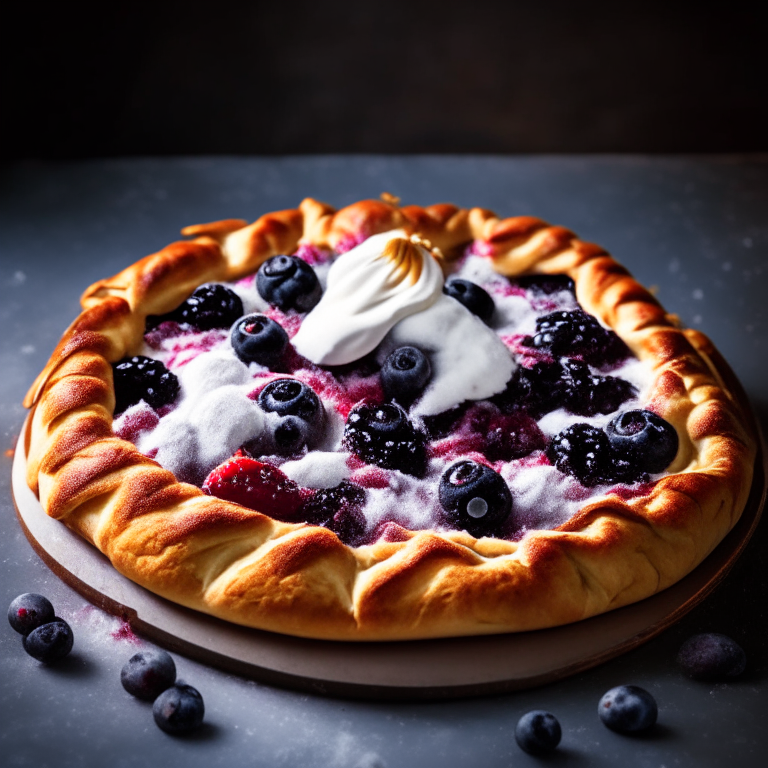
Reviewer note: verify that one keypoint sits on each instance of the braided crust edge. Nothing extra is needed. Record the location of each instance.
(245, 567)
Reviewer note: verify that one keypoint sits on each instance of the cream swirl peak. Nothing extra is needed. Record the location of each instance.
(369, 289)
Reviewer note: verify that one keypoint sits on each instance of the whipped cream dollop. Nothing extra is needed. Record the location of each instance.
(469, 361)
(369, 289)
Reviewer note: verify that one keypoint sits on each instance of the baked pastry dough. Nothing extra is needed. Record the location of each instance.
(246, 567)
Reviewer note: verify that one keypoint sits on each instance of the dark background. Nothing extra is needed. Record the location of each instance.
(180, 78)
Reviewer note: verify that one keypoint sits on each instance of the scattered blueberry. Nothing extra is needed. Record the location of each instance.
(288, 282)
(340, 510)
(147, 674)
(210, 306)
(646, 440)
(49, 642)
(405, 373)
(538, 732)
(179, 709)
(29, 611)
(474, 498)
(628, 709)
(383, 435)
(258, 339)
(476, 299)
(142, 378)
(711, 657)
(577, 334)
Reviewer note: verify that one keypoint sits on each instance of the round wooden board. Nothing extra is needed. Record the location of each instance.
(416, 670)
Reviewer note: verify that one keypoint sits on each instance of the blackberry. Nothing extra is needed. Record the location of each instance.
(537, 390)
(29, 611)
(210, 306)
(644, 440)
(258, 339)
(628, 709)
(338, 509)
(538, 732)
(711, 657)
(577, 334)
(565, 384)
(474, 498)
(584, 452)
(148, 673)
(288, 282)
(585, 394)
(476, 299)
(383, 435)
(142, 378)
(405, 373)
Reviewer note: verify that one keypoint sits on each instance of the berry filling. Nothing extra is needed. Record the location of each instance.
(353, 447)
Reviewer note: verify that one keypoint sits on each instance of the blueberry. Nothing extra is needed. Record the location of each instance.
(476, 299)
(142, 378)
(179, 709)
(49, 642)
(258, 339)
(644, 439)
(383, 435)
(577, 334)
(404, 374)
(29, 611)
(538, 732)
(583, 451)
(290, 397)
(210, 306)
(290, 436)
(340, 510)
(711, 657)
(288, 282)
(474, 498)
(628, 709)
(300, 410)
(147, 674)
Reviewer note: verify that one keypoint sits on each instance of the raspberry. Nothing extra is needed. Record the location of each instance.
(258, 486)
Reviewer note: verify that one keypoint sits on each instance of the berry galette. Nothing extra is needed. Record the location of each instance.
(387, 423)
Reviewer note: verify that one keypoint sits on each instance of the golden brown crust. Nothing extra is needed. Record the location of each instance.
(245, 567)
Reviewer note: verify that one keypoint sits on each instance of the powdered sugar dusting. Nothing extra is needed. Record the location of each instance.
(217, 412)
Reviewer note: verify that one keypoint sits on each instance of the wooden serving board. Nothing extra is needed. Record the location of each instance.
(425, 669)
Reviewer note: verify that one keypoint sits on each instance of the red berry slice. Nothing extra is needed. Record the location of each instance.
(258, 486)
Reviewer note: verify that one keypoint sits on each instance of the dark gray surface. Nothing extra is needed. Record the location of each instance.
(696, 228)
